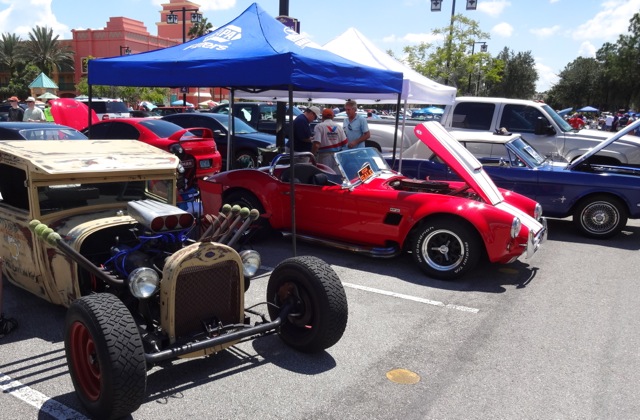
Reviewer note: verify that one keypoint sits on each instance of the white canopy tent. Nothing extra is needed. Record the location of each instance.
(352, 45)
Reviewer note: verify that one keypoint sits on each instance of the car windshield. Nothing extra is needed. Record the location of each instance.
(361, 163)
(526, 152)
(53, 133)
(162, 128)
(53, 198)
(241, 126)
(565, 126)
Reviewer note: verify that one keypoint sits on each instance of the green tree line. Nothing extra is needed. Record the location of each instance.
(610, 81)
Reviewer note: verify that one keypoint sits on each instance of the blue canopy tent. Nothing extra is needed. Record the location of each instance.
(254, 53)
(588, 109)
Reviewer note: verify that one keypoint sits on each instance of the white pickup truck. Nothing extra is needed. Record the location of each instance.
(540, 125)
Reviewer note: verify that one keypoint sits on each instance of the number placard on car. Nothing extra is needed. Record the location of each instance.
(365, 172)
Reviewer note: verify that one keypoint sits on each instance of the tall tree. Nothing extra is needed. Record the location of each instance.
(451, 60)
(46, 52)
(518, 77)
(10, 56)
(580, 84)
(201, 28)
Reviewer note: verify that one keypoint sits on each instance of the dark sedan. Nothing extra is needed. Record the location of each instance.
(38, 131)
(246, 140)
(600, 198)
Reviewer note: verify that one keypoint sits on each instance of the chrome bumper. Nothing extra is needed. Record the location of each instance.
(535, 240)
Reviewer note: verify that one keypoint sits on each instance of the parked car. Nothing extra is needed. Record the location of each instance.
(200, 147)
(106, 108)
(246, 140)
(372, 210)
(170, 110)
(259, 115)
(117, 252)
(599, 197)
(13, 130)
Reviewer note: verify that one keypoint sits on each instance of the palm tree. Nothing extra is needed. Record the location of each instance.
(10, 56)
(199, 29)
(46, 52)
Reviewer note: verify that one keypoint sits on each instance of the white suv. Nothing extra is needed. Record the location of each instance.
(107, 108)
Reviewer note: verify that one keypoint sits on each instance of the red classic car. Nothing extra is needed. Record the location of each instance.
(166, 136)
(369, 208)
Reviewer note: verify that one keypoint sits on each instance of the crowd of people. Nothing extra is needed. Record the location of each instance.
(31, 114)
(328, 137)
(606, 121)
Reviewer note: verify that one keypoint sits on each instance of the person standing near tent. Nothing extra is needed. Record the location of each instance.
(355, 126)
(302, 134)
(33, 113)
(15, 112)
(328, 138)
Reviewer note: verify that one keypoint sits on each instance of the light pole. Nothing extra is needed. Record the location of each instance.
(483, 48)
(436, 6)
(172, 18)
(125, 50)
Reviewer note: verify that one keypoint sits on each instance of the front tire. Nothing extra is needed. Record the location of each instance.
(319, 315)
(446, 249)
(246, 159)
(105, 356)
(600, 216)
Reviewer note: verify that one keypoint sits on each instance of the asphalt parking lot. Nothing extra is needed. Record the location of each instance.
(556, 337)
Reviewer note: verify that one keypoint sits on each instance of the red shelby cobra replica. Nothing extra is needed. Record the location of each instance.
(370, 209)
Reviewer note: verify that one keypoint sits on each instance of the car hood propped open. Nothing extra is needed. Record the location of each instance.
(459, 159)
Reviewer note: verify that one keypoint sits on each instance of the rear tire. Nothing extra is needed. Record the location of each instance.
(261, 227)
(319, 315)
(105, 356)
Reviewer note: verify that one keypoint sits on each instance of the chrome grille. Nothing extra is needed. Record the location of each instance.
(205, 293)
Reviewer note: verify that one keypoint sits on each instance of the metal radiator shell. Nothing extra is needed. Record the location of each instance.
(200, 282)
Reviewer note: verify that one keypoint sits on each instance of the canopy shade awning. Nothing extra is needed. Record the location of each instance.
(254, 52)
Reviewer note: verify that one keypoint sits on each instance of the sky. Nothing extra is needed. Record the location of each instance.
(556, 32)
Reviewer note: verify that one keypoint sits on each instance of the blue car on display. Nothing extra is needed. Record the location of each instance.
(600, 198)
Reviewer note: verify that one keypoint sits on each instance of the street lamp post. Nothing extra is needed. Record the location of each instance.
(483, 48)
(172, 18)
(436, 6)
(125, 50)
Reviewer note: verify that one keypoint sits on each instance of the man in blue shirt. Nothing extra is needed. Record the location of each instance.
(302, 134)
(355, 126)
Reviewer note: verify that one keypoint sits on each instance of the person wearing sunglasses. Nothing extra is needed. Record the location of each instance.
(355, 126)
(15, 112)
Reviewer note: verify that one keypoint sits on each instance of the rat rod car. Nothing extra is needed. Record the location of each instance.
(93, 226)
(370, 209)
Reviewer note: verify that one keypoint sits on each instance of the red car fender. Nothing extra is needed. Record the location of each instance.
(492, 224)
(265, 187)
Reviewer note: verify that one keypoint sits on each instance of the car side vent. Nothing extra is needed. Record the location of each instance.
(392, 219)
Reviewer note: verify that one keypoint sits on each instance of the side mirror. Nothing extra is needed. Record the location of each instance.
(543, 127)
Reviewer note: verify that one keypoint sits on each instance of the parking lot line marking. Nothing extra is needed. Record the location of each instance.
(38, 400)
(412, 298)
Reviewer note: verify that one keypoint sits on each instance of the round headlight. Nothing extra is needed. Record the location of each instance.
(250, 262)
(537, 212)
(515, 227)
(143, 282)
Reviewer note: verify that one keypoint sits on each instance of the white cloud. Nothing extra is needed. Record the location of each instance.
(493, 8)
(543, 33)
(546, 77)
(609, 23)
(204, 5)
(21, 17)
(587, 49)
(502, 29)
